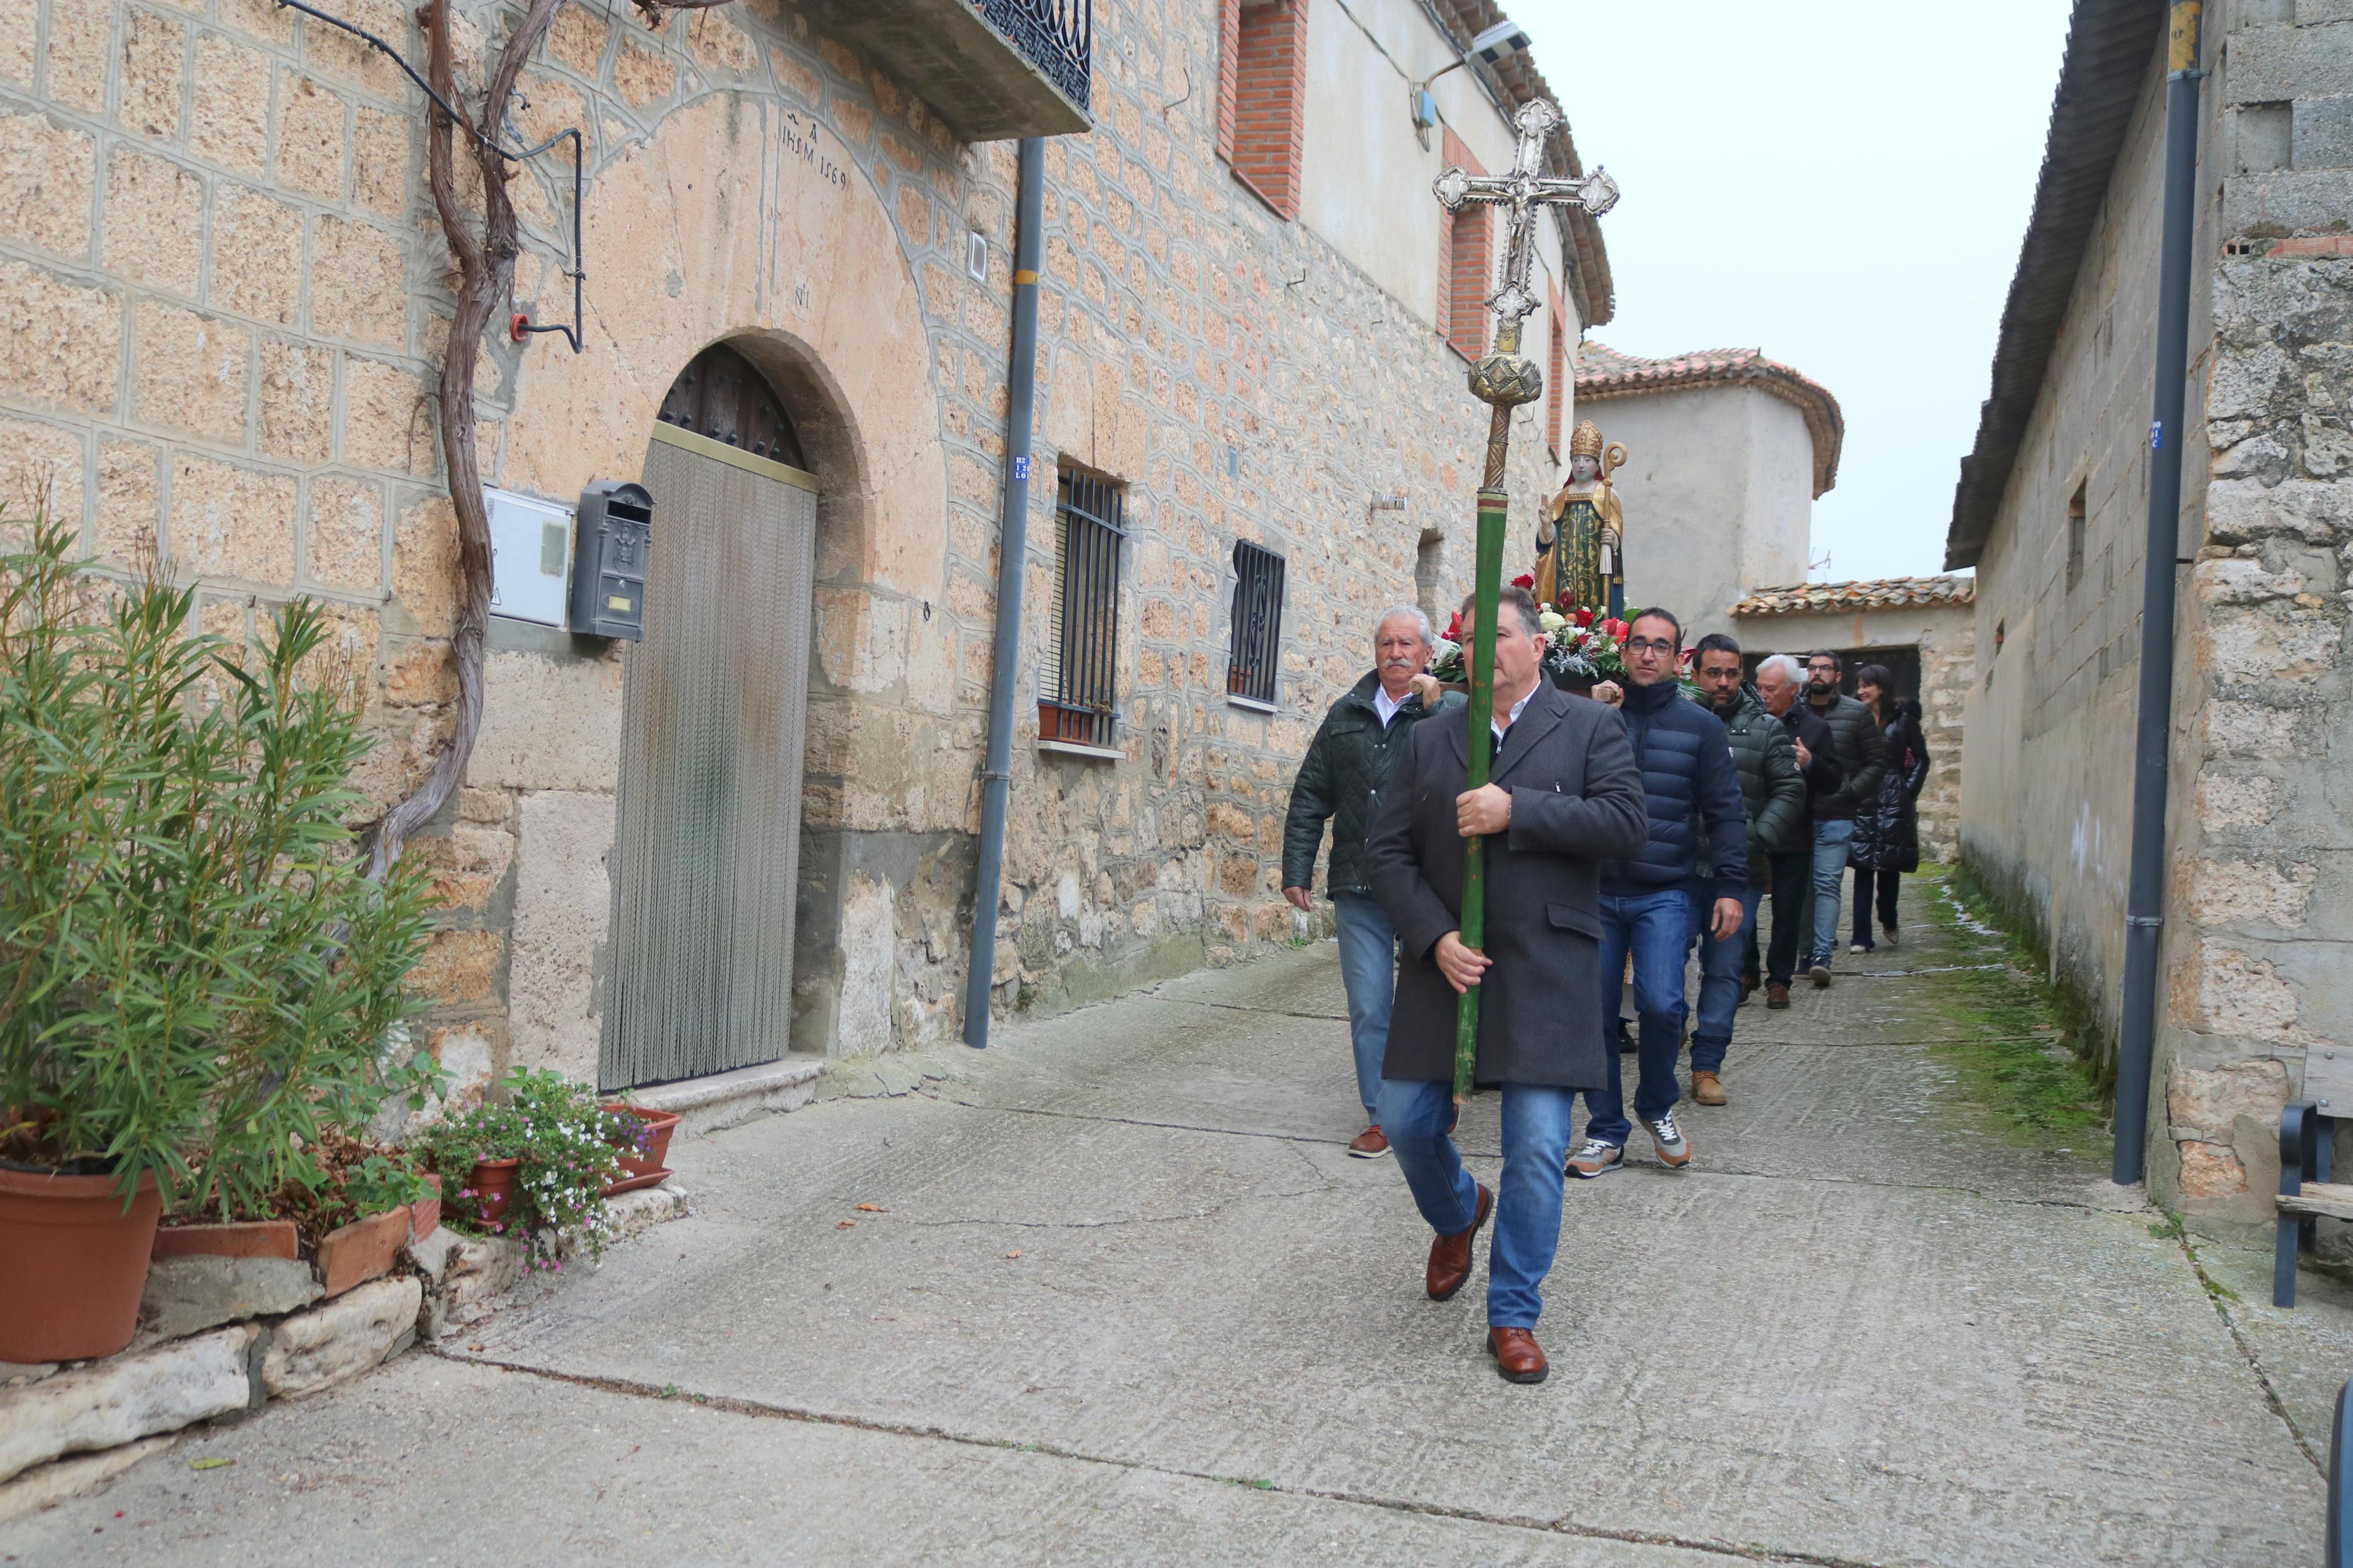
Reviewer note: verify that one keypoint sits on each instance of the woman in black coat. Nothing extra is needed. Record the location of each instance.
(1887, 831)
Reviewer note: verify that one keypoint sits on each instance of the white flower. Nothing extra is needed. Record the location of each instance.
(1445, 650)
(1552, 620)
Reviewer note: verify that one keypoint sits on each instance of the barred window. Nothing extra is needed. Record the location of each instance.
(1078, 686)
(1257, 625)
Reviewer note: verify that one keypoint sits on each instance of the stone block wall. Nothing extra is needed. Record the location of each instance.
(227, 295)
(2257, 823)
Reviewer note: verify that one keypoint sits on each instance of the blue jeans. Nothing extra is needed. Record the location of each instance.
(1415, 1116)
(1658, 928)
(1719, 978)
(1831, 839)
(1368, 971)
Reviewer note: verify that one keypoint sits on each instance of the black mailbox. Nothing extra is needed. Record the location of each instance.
(612, 537)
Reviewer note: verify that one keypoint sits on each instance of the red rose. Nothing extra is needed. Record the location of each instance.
(1454, 628)
(1525, 580)
(1584, 617)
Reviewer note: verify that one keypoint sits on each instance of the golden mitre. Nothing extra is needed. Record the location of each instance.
(1584, 441)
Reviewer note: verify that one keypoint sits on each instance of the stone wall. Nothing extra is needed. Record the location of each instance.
(227, 296)
(1945, 635)
(2256, 826)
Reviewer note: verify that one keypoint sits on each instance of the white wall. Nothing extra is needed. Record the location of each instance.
(1718, 490)
(1365, 177)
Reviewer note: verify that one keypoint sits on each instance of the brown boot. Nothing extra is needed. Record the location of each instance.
(1777, 998)
(1708, 1089)
(1517, 1355)
(1450, 1256)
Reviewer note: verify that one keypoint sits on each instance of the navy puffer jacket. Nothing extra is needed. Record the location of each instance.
(1692, 791)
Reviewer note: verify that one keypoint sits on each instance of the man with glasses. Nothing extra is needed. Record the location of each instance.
(1696, 849)
(1862, 752)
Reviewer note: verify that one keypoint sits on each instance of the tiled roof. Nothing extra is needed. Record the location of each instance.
(1589, 284)
(1603, 372)
(1871, 593)
(2102, 82)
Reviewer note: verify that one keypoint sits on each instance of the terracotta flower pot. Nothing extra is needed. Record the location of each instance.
(356, 1253)
(494, 1185)
(75, 1263)
(238, 1238)
(659, 1125)
(425, 1213)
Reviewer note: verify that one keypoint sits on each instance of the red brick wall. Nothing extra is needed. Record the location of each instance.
(1269, 50)
(1465, 264)
(1555, 381)
(1229, 34)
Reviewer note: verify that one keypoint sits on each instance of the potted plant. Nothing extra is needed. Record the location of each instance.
(642, 1136)
(533, 1169)
(196, 979)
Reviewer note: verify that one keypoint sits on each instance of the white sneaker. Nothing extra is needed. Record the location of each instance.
(1856, 947)
(1596, 1159)
(1674, 1149)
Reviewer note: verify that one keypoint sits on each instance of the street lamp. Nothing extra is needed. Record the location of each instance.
(1497, 44)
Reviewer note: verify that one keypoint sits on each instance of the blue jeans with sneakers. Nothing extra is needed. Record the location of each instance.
(1657, 928)
(1415, 1116)
(1368, 973)
(1830, 842)
(1719, 978)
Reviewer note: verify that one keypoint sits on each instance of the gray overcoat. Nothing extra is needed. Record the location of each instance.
(1576, 800)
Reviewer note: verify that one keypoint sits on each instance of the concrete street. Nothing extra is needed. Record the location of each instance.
(1122, 1298)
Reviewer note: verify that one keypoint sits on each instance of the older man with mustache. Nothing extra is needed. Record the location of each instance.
(1340, 781)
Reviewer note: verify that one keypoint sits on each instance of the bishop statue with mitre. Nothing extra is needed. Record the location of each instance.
(1580, 543)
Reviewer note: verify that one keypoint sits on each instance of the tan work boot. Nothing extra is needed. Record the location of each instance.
(1707, 1089)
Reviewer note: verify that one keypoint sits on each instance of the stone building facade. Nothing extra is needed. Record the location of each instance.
(1923, 628)
(2051, 510)
(227, 297)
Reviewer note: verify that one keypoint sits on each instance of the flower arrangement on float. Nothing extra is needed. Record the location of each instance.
(1579, 646)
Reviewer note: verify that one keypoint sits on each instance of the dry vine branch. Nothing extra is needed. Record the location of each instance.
(486, 262)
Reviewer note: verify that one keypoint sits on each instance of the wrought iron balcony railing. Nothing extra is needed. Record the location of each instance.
(1058, 37)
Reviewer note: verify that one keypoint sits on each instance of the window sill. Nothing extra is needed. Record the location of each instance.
(1252, 703)
(1074, 749)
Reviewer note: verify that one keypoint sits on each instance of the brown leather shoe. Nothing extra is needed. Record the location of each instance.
(1748, 986)
(1517, 1355)
(1708, 1089)
(1450, 1256)
(1777, 998)
(1370, 1145)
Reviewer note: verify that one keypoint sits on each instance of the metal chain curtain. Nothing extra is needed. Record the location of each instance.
(1078, 688)
(1257, 624)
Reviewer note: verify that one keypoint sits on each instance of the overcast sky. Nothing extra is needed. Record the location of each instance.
(1844, 185)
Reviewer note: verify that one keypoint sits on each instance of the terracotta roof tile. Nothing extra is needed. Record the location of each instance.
(1602, 373)
(1871, 593)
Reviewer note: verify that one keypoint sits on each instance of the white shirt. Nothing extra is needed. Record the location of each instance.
(1513, 717)
(1386, 706)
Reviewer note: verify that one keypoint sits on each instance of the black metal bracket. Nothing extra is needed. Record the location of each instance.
(520, 326)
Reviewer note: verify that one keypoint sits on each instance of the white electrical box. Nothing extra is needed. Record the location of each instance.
(531, 557)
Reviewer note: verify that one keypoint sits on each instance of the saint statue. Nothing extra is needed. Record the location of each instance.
(1580, 543)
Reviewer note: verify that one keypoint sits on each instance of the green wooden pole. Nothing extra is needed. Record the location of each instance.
(1488, 586)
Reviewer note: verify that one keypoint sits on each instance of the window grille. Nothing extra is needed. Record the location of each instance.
(1257, 624)
(1078, 684)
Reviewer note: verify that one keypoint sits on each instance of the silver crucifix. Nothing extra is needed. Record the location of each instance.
(1505, 376)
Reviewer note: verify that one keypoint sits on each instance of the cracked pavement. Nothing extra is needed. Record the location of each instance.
(1127, 1300)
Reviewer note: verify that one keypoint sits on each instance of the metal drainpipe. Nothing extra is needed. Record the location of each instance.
(2152, 745)
(1013, 550)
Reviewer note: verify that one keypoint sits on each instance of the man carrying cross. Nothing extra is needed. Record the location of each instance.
(1516, 1006)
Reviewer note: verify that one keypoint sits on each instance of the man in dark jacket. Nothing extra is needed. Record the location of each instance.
(1781, 686)
(1695, 851)
(1773, 796)
(1862, 758)
(1341, 780)
(1562, 796)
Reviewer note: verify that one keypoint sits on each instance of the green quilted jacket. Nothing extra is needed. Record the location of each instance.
(1770, 784)
(1341, 780)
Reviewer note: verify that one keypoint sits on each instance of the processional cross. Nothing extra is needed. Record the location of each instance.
(1503, 378)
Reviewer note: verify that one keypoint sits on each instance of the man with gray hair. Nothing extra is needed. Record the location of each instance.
(1781, 682)
(1340, 781)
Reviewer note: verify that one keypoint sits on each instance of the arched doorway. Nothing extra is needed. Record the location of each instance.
(706, 855)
